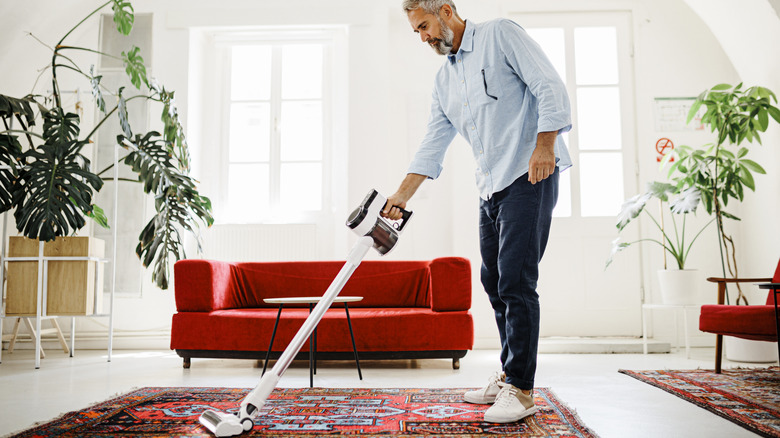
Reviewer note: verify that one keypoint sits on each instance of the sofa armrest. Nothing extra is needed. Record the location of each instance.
(450, 284)
(202, 285)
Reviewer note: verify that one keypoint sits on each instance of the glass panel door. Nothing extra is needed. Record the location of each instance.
(592, 53)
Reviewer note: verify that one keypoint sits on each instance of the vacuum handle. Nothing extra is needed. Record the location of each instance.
(405, 215)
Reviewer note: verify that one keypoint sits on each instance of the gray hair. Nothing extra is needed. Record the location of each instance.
(429, 6)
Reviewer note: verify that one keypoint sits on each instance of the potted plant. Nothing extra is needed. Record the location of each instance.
(678, 286)
(49, 183)
(722, 172)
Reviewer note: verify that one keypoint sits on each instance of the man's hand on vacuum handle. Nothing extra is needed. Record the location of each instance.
(542, 162)
(409, 186)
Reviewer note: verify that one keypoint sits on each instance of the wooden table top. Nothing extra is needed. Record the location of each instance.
(309, 300)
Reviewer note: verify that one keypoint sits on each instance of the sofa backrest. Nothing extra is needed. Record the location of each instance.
(381, 284)
(442, 284)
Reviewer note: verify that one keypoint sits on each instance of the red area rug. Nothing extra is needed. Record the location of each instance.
(748, 397)
(311, 412)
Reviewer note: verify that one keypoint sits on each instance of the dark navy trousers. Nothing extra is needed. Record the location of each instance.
(514, 225)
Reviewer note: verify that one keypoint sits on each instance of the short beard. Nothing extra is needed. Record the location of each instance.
(444, 45)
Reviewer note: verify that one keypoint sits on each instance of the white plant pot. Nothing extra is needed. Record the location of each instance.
(745, 350)
(679, 286)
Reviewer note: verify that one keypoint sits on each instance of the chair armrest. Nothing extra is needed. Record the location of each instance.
(722, 284)
(202, 285)
(737, 280)
(774, 286)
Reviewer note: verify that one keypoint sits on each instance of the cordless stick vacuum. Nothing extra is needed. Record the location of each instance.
(373, 230)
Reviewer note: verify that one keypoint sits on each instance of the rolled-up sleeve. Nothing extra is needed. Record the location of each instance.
(430, 156)
(537, 72)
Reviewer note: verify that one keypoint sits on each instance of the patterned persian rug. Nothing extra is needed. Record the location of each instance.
(748, 397)
(311, 412)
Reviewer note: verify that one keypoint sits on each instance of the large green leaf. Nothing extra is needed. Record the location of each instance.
(10, 154)
(55, 185)
(631, 209)
(173, 132)
(60, 128)
(11, 107)
(687, 201)
(97, 93)
(124, 119)
(134, 67)
(123, 16)
(54, 191)
(177, 202)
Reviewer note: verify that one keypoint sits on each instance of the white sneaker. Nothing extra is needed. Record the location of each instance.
(486, 395)
(511, 405)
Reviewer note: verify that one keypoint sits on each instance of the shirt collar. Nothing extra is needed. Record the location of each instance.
(467, 42)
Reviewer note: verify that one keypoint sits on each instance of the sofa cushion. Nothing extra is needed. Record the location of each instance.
(387, 329)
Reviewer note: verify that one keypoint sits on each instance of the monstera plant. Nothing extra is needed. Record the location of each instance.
(48, 182)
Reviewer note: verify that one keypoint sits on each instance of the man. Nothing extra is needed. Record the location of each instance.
(500, 92)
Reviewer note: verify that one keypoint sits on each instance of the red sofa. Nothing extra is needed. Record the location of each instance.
(410, 309)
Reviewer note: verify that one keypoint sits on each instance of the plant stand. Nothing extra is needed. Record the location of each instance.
(12, 338)
(40, 311)
(42, 296)
(677, 309)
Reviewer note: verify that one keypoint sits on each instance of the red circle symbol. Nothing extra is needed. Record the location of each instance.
(663, 146)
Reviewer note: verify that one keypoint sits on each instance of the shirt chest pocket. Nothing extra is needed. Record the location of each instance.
(484, 86)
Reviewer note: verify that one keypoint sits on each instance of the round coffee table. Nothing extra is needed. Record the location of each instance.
(311, 301)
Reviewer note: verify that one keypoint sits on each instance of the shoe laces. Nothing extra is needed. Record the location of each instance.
(496, 379)
(507, 395)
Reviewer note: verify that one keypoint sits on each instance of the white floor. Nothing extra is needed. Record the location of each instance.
(611, 404)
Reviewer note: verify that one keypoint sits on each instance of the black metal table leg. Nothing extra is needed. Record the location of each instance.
(311, 352)
(352, 335)
(775, 291)
(273, 335)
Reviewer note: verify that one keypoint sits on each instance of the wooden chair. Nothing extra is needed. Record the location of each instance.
(758, 323)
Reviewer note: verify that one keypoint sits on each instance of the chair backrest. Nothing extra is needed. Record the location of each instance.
(770, 300)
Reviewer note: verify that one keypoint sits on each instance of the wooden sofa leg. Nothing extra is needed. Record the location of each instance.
(186, 364)
(718, 353)
(455, 363)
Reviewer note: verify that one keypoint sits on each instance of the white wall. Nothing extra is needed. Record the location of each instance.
(747, 35)
(390, 76)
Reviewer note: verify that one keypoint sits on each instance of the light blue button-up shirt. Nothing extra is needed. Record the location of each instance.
(498, 92)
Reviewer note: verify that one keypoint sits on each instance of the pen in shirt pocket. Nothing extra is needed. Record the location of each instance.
(484, 81)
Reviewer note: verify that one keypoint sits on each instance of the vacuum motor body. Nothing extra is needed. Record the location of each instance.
(366, 220)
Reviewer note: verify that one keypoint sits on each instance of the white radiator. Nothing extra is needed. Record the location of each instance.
(260, 243)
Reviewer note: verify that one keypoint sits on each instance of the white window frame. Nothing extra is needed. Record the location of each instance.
(224, 42)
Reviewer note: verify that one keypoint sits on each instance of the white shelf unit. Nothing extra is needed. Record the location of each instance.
(42, 274)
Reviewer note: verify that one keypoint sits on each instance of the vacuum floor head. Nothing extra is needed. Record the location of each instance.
(223, 425)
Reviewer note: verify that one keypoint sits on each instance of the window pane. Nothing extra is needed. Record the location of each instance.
(598, 118)
(249, 132)
(302, 71)
(601, 175)
(248, 193)
(301, 131)
(250, 77)
(301, 187)
(553, 44)
(563, 207)
(595, 53)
